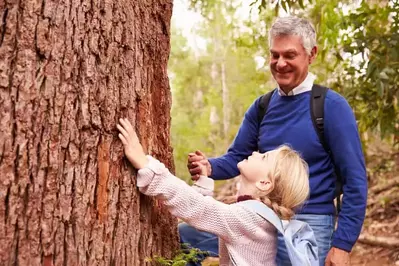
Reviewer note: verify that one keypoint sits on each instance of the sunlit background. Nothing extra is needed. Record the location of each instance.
(219, 65)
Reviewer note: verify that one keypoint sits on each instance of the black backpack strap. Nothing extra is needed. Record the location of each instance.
(263, 105)
(317, 112)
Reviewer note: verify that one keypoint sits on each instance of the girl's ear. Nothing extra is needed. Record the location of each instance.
(265, 185)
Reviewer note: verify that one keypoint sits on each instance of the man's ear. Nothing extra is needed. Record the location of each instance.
(264, 185)
(313, 54)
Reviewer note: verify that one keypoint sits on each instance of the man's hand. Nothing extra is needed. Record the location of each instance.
(133, 149)
(198, 164)
(337, 257)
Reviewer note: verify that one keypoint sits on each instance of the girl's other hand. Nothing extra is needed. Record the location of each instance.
(133, 149)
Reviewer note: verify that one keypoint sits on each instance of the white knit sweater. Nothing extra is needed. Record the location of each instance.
(251, 240)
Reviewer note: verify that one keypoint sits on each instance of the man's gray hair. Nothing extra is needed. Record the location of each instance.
(295, 26)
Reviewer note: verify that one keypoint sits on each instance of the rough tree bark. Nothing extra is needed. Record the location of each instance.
(68, 71)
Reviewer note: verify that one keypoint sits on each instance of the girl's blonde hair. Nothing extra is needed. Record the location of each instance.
(289, 174)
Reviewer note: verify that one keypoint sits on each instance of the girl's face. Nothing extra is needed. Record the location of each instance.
(254, 171)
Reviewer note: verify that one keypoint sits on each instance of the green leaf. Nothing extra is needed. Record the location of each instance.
(284, 5)
(383, 76)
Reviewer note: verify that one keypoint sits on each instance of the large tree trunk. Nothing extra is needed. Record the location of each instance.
(68, 71)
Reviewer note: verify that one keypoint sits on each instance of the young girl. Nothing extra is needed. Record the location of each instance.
(278, 178)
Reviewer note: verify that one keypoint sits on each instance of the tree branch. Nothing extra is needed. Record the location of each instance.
(381, 241)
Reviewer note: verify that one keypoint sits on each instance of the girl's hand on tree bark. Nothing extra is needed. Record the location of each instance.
(133, 149)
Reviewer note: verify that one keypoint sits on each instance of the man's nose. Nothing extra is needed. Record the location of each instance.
(281, 62)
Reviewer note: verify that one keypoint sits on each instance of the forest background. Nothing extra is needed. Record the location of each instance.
(219, 65)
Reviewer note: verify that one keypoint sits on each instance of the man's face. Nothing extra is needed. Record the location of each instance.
(289, 61)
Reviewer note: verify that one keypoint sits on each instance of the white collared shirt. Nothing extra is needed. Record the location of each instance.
(305, 86)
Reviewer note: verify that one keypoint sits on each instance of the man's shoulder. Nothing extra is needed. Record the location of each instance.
(336, 105)
(333, 97)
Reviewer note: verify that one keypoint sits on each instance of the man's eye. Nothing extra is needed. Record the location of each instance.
(275, 56)
(290, 56)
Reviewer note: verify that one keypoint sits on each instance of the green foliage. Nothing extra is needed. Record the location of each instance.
(373, 33)
(358, 51)
(358, 57)
(182, 257)
(203, 6)
(199, 117)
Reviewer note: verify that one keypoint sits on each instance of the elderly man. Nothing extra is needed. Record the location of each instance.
(289, 119)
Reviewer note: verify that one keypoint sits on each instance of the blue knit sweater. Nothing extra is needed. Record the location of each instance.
(288, 121)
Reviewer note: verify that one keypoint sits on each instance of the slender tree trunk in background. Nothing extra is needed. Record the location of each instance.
(226, 102)
(68, 71)
(219, 77)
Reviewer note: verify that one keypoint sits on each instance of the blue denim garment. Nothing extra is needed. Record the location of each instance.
(322, 225)
(323, 228)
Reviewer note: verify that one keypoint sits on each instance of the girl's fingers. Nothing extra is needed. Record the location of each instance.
(123, 123)
(204, 161)
(128, 126)
(127, 130)
(122, 130)
(122, 138)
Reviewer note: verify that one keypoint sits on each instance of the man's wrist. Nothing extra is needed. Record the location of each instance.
(342, 244)
(340, 250)
(209, 169)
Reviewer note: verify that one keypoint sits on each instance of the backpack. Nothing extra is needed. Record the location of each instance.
(318, 95)
(298, 236)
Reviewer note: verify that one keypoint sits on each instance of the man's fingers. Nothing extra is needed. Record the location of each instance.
(194, 158)
(203, 161)
(200, 153)
(192, 165)
(327, 262)
(197, 164)
(195, 170)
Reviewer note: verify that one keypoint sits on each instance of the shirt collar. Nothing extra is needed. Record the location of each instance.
(244, 198)
(305, 86)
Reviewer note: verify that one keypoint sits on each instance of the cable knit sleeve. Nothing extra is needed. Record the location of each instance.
(202, 212)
